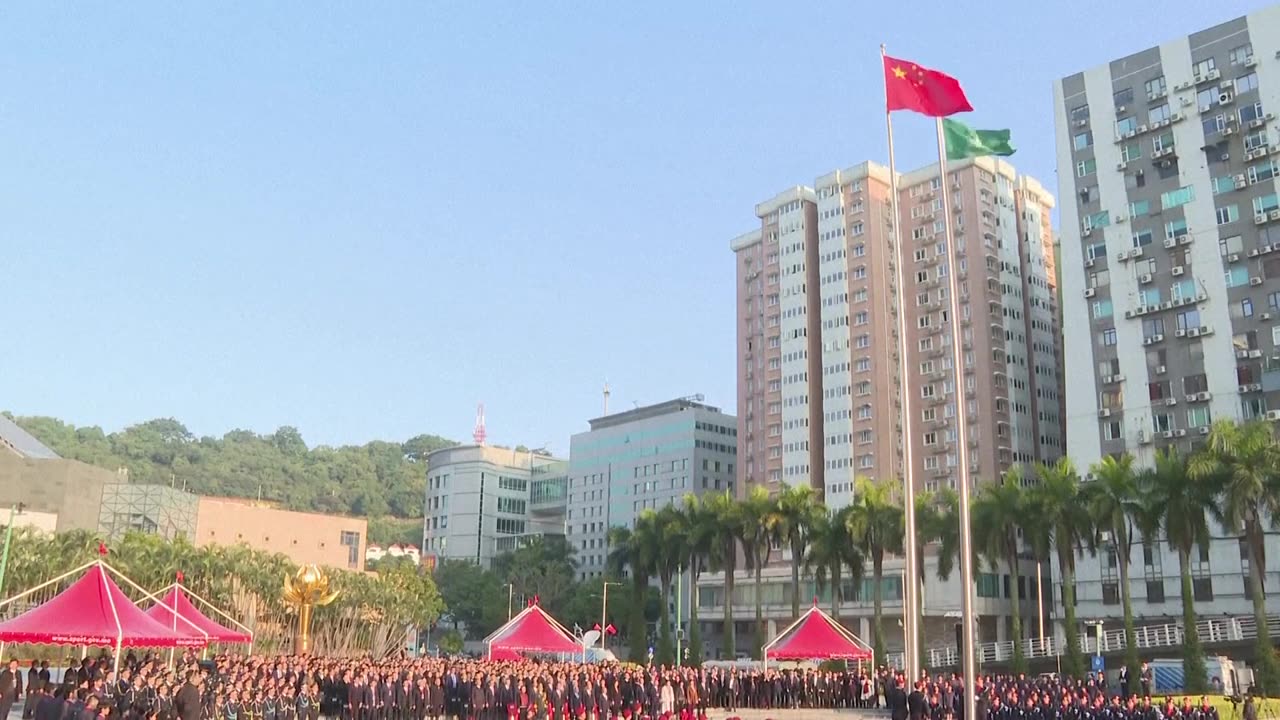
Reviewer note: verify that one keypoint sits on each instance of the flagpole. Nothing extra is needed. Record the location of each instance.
(910, 588)
(962, 436)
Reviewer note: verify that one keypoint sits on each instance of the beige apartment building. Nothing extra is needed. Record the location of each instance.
(818, 390)
(333, 541)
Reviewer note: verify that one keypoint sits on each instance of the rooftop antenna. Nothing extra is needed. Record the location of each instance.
(606, 397)
(479, 434)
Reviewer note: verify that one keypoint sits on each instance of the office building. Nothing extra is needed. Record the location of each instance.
(478, 501)
(1167, 163)
(818, 374)
(643, 459)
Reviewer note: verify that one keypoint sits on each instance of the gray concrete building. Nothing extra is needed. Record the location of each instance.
(643, 459)
(1167, 163)
(483, 501)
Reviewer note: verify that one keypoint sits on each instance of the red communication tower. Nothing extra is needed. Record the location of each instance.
(479, 435)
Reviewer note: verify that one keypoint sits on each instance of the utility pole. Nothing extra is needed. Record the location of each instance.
(679, 623)
(604, 613)
(511, 590)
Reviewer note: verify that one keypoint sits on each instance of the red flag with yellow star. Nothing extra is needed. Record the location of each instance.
(908, 86)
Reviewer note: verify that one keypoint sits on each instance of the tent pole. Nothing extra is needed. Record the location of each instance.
(215, 608)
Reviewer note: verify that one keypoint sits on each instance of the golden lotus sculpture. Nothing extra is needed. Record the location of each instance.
(306, 590)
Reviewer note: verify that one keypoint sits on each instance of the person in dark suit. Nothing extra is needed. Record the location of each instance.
(187, 702)
(10, 688)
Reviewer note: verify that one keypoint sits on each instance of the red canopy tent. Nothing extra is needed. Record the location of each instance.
(93, 611)
(532, 631)
(175, 610)
(816, 636)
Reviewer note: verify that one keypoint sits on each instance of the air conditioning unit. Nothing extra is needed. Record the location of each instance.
(1122, 166)
(1104, 413)
(1255, 353)
(1170, 242)
(1255, 281)
(1119, 218)
(1265, 316)
(1145, 278)
(1259, 219)
(1178, 270)
(1201, 397)
(1153, 339)
(1090, 292)
(1137, 252)
(1183, 85)
(1180, 332)
(1082, 122)
(1226, 98)
(1206, 329)
(1241, 183)
(1089, 262)
(1233, 257)
(1250, 62)
(1273, 414)
(1192, 397)
(1253, 252)
(1142, 437)
(1167, 434)
(1175, 117)
(1204, 429)
(1170, 402)
(1229, 130)
(1180, 432)
(1224, 157)
(1122, 256)
(1128, 314)
(1142, 128)
(1161, 369)
(1274, 214)
(1193, 332)
(1185, 239)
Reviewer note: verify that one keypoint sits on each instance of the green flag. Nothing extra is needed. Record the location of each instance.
(965, 142)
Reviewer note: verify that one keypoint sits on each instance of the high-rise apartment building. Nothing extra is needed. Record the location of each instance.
(818, 346)
(643, 459)
(1167, 163)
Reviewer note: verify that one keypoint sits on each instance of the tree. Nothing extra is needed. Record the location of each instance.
(1058, 505)
(998, 512)
(875, 526)
(758, 524)
(1242, 461)
(698, 535)
(1114, 503)
(626, 554)
(474, 598)
(831, 550)
(544, 567)
(726, 533)
(937, 522)
(797, 511)
(450, 642)
(1176, 503)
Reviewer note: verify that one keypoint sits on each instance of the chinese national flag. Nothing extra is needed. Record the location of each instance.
(908, 86)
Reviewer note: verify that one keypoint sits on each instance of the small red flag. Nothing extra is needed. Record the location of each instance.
(610, 629)
(102, 548)
(908, 86)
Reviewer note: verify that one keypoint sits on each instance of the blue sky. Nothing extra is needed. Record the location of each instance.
(363, 218)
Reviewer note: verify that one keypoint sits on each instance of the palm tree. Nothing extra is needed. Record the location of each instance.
(698, 530)
(625, 553)
(831, 550)
(937, 522)
(1176, 503)
(998, 511)
(875, 526)
(1114, 504)
(667, 555)
(1243, 461)
(726, 533)
(759, 523)
(797, 511)
(1059, 508)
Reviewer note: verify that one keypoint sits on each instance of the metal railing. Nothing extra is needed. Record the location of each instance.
(1209, 631)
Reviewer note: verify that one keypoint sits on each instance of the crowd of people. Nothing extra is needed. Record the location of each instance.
(233, 687)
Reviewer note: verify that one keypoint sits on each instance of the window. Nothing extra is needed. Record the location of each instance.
(1112, 430)
(1086, 167)
(1083, 140)
(1155, 87)
(1123, 97)
(510, 483)
(1245, 83)
(1246, 308)
(1262, 171)
(511, 505)
(1155, 591)
(1204, 67)
(351, 539)
(1175, 229)
(1109, 337)
(1229, 245)
(1241, 55)
(1186, 320)
(1202, 588)
(1256, 140)
(1142, 238)
(1149, 296)
(510, 526)
(1131, 151)
(1207, 98)
(1101, 309)
(1127, 125)
(1139, 208)
(1251, 112)
(1183, 289)
(1176, 198)
(1228, 214)
(1198, 416)
(1095, 251)
(1159, 113)
(1265, 204)
(1162, 142)
(1078, 113)
(1214, 123)
(1097, 220)
(1237, 277)
(1224, 184)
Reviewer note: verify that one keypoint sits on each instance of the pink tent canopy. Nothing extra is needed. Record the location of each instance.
(94, 611)
(816, 636)
(175, 608)
(533, 630)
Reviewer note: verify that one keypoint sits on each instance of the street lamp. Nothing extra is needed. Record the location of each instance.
(604, 613)
(14, 510)
(511, 591)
